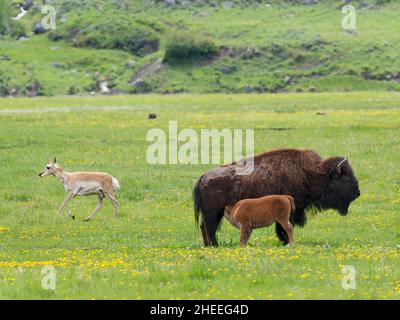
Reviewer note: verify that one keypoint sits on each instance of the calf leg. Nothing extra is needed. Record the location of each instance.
(99, 206)
(288, 228)
(245, 233)
(281, 234)
(298, 218)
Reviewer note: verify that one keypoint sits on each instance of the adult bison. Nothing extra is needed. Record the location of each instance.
(303, 174)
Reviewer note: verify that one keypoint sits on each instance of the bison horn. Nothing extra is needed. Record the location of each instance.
(340, 165)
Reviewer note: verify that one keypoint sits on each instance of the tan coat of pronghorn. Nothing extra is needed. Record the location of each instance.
(249, 214)
(81, 183)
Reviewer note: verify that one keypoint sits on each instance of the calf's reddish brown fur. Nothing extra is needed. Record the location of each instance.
(249, 214)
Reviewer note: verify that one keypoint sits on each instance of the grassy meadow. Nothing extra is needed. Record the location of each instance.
(153, 250)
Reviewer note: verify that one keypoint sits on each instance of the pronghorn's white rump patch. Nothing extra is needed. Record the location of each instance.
(115, 183)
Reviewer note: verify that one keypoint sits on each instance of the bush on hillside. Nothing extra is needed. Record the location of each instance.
(136, 41)
(92, 30)
(185, 47)
(4, 85)
(17, 30)
(8, 26)
(5, 9)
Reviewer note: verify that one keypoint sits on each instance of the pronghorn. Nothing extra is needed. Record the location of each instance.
(84, 184)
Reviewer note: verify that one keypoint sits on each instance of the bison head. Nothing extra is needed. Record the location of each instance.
(342, 186)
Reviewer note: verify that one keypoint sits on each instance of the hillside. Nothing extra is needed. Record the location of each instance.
(200, 47)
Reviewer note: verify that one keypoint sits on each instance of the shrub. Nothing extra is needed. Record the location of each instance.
(382, 2)
(9, 26)
(134, 40)
(4, 85)
(17, 29)
(5, 12)
(186, 47)
(91, 29)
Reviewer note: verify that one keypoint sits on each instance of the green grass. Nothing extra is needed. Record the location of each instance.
(153, 250)
(283, 47)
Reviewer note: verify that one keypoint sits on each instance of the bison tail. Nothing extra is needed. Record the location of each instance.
(197, 201)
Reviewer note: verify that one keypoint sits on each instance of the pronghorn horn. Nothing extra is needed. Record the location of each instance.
(55, 160)
(339, 166)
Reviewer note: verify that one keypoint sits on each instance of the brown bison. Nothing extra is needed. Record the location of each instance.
(303, 174)
(249, 214)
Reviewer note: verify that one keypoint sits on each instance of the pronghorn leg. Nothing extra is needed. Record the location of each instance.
(114, 203)
(70, 214)
(67, 199)
(99, 206)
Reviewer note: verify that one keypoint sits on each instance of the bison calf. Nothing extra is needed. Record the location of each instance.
(249, 214)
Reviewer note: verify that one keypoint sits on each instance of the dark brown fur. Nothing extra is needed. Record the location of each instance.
(303, 174)
(249, 214)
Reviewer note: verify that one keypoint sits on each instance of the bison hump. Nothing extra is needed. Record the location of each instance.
(219, 173)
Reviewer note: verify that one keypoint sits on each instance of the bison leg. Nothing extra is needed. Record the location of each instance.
(209, 227)
(206, 238)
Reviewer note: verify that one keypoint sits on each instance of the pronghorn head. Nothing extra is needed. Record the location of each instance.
(50, 168)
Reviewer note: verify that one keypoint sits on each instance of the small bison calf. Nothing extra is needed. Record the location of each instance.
(249, 214)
